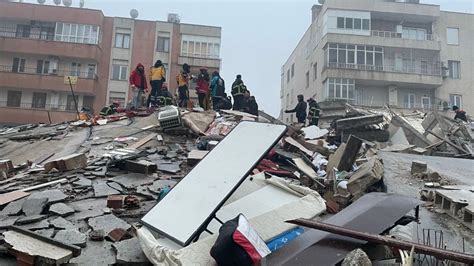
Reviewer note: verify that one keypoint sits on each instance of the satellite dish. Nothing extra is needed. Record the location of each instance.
(67, 3)
(57, 2)
(81, 3)
(41, 2)
(134, 13)
(321, 2)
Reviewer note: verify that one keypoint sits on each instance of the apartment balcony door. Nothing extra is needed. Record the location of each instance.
(409, 100)
(398, 62)
(426, 103)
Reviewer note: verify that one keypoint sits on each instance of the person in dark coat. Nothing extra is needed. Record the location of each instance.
(217, 89)
(460, 114)
(313, 113)
(252, 106)
(300, 110)
(238, 92)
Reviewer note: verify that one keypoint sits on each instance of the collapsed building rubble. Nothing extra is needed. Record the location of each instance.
(112, 186)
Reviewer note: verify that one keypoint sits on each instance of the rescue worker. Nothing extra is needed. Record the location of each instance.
(238, 92)
(224, 103)
(165, 97)
(109, 110)
(157, 77)
(217, 89)
(138, 84)
(183, 79)
(300, 110)
(252, 106)
(313, 113)
(460, 114)
(202, 88)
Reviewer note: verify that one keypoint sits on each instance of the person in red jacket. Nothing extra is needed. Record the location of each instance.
(139, 85)
(202, 88)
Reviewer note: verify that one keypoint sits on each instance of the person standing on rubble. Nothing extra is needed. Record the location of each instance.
(313, 113)
(460, 114)
(139, 85)
(217, 89)
(238, 92)
(202, 88)
(300, 110)
(165, 97)
(252, 106)
(157, 77)
(183, 79)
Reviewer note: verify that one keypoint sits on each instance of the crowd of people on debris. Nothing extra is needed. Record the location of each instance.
(210, 89)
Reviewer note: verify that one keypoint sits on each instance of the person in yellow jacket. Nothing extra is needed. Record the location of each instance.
(157, 77)
(183, 79)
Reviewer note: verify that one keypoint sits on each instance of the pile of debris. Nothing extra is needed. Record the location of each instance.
(99, 192)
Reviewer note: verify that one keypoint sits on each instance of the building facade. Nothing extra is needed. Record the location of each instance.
(42, 45)
(383, 52)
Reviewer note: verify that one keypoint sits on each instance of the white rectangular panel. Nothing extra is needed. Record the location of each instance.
(184, 212)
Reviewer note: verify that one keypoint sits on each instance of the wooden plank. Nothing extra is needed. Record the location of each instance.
(142, 142)
(12, 196)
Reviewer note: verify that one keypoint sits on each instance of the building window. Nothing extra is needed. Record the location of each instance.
(71, 104)
(200, 46)
(163, 44)
(357, 23)
(288, 76)
(452, 36)
(340, 88)
(42, 67)
(340, 23)
(75, 69)
(117, 97)
(292, 70)
(315, 71)
(414, 34)
(91, 70)
(119, 70)
(353, 23)
(307, 79)
(366, 24)
(349, 23)
(88, 102)
(77, 33)
(18, 65)
(23, 31)
(14, 98)
(343, 55)
(454, 69)
(39, 100)
(455, 99)
(122, 40)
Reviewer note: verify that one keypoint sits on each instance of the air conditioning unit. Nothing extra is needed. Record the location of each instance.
(173, 18)
(169, 117)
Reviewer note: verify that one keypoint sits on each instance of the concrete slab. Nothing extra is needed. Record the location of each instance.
(130, 252)
(61, 209)
(46, 232)
(87, 208)
(103, 190)
(31, 219)
(82, 182)
(132, 180)
(13, 208)
(53, 195)
(61, 223)
(72, 237)
(158, 185)
(43, 224)
(96, 253)
(34, 206)
(107, 223)
(116, 186)
(171, 168)
(8, 221)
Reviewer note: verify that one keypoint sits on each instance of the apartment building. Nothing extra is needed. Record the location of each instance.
(42, 45)
(383, 52)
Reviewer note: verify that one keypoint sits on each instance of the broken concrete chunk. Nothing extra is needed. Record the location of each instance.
(34, 247)
(130, 251)
(7, 221)
(96, 254)
(103, 190)
(43, 224)
(357, 257)
(61, 223)
(82, 182)
(34, 206)
(195, 156)
(107, 223)
(158, 185)
(87, 208)
(72, 237)
(171, 168)
(132, 180)
(53, 195)
(46, 232)
(61, 209)
(116, 186)
(367, 175)
(97, 235)
(31, 219)
(141, 166)
(418, 167)
(13, 208)
(67, 163)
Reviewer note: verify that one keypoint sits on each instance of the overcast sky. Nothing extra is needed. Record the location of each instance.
(257, 36)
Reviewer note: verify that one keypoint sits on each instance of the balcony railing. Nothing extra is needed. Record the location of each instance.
(434, 105)
(397, 35)
(406, 67)
(36, 34)
(49, 72)
(40, 106)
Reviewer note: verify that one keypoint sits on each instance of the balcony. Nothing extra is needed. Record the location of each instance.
(199, 61)
(29, 78)
(387, 39)
(407, 72)
(45, 42)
